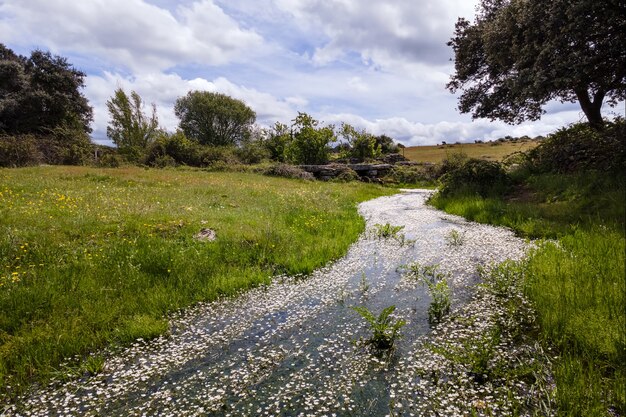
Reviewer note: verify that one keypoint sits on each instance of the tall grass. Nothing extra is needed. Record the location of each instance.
(92, 257)
(546, 205)
(579, 290)
(576, 283)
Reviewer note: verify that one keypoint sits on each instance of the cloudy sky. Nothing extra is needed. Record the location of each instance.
(378, 65)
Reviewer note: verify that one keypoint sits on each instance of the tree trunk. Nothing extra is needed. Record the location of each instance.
(592, 109)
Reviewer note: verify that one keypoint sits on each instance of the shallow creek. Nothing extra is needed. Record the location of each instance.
(288, 349)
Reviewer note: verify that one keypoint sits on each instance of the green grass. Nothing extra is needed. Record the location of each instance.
(546, 205)
(578, 284)
(94, 257)
(579, 290)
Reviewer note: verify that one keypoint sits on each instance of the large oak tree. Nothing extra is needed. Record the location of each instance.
(519, 54)
(40, 93)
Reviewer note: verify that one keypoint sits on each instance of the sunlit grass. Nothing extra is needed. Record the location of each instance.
(578, 285)
(579, 290)
(90, 257)
(546, 206)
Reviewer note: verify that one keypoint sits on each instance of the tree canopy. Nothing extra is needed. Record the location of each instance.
(310, 143)
(40, 93)
(278, 140)
(130, 128)
(213, 118)
(519, 54)
(362, 144)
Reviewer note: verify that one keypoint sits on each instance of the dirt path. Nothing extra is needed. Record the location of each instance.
(288, 349)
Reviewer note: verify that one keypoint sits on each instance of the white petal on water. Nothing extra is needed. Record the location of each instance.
(289, 345)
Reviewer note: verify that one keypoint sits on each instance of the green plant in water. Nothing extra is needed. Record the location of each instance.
(385, 330)
(455, 238)
(363, 284)
(424, 273)
(440, 305)
(387, 231)
(438, 288)
(477, 355)
(342, 296)
(94, 364)
(480, 354)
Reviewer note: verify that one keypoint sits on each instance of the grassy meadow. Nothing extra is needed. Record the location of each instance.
(95, 257)
(576, 281)
(491, 151)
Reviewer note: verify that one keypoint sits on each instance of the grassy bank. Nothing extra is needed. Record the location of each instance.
(576, 283)
(92, 257)
(579, 291)
(546, 205)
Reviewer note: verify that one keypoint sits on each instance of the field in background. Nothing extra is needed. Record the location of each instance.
(92, 257)
(491, 151)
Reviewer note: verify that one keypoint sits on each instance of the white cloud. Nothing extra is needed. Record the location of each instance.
(381, 32)
(130, 34)
(357, 84)
(163, 90)
(378, 65)
(415, 133)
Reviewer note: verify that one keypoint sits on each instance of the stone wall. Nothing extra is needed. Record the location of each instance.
(366, 172)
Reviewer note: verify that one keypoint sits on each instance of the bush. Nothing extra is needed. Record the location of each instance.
(452, 162)
(363, 145)
(580, 147)
(221, 155)
(63, 146)
(309, 144)
(277, 141)
(387, 145)
(252, 151)
(110, 160)
(19, 151)
(287, 171)
(67, 145)
(164, 161)
(346, 174)
(176, 146)
(475, 176)
(176, 149)
(412, 174)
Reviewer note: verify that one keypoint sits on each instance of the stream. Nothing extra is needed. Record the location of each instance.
(290, 348)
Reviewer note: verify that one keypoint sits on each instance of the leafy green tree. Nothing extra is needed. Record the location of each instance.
(362, 144)
(40, 93)
(130, 128)
(309, 143)
(213, 118)
(253, 148)
(520, 54)
(387, 144)
(277, 141)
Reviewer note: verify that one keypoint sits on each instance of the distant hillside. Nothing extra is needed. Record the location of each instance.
(493, 151)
